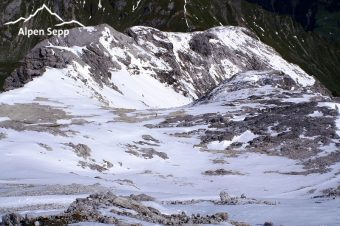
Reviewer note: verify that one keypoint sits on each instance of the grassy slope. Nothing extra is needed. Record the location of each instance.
(314, 54)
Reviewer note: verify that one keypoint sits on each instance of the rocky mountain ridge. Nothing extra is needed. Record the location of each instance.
(180, 117)
(316, 55)
(192, 64)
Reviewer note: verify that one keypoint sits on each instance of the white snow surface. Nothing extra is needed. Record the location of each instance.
(234, 38)
(109, 130)
(114, 120)
(237, 40)
(243, 138)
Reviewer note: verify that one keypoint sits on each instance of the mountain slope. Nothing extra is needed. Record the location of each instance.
(90, 114)
(192, 64)
(316, 55)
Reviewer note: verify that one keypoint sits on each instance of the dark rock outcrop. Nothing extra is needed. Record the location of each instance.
(89, 210)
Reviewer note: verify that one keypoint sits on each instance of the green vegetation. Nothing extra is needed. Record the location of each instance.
(316, 55)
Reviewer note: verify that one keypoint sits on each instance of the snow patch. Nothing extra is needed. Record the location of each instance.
(244, 138)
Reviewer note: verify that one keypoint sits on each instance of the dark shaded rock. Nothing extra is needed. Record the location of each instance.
(12, 220)
(221, 172)
(147, 153)
(142, 198)
(81, 150)
(200, 43)
(268, 224)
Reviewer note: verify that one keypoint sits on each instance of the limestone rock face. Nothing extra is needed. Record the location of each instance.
(190, 63)
(318, 56)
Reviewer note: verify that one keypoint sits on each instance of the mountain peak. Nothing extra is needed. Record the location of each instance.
(194, 63)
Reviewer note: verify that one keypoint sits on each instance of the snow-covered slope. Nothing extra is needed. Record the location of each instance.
(179, 67)
(109, 112)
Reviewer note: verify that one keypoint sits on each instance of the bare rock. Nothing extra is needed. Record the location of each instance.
(12, 219)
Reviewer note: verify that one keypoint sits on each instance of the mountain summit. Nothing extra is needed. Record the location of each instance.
(192, 64)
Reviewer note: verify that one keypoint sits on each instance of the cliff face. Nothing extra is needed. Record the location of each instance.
(278, 25)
